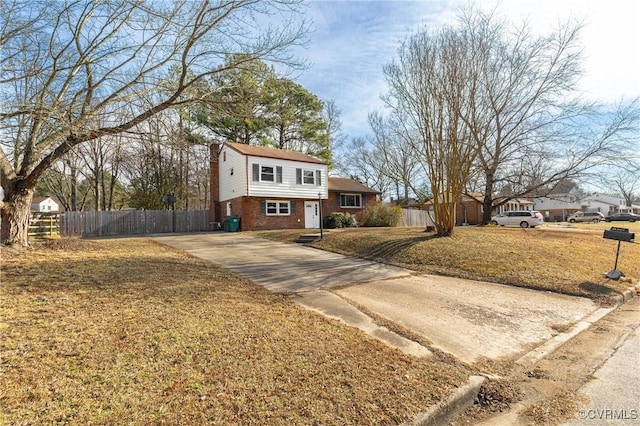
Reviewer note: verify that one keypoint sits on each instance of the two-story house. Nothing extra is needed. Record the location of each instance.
(277, 189)
(606, 204)
(44, 205)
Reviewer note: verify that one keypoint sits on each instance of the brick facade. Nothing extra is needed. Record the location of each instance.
(252, 211)
(333, 204)
(253, 219)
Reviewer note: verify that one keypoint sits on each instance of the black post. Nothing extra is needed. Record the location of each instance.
(320, 204)
(615, 274)
(615, 267)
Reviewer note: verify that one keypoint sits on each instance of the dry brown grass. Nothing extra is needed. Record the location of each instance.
(566, 259)
(126, 331)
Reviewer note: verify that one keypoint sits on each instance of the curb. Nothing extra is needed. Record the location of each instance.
(555, 342)
(628, 294)
(455, 404)
(465, 396)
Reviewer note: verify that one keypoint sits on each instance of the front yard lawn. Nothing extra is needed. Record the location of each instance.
(127, 331)
(561, 258)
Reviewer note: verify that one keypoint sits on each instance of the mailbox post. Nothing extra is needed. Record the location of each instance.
(618, 234)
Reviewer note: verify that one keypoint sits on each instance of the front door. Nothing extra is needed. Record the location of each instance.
(311, 214)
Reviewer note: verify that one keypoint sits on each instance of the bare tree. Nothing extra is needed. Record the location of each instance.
(395, 143)
(531, 128)
(511, 95)
(626, 179)
(63, 181)
(362, 163)
(331, 114)
(69, 65)
(430, 83)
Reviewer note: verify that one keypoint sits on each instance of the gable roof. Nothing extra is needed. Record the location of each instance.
(266, 152)
(337, 184)
(38, 200)
(604, 198)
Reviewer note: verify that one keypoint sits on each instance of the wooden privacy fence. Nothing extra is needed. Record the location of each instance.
(413, 217)
(133, 222)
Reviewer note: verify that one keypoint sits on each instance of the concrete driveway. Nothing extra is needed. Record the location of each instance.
(468, 319)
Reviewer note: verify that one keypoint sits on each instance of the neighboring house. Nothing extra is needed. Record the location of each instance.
(277, 189)
(516, 204)
(607, 204)
(44, 205)
(556, 210)
(469, 209)
(411, 203)
(557, 207)
(349, 196)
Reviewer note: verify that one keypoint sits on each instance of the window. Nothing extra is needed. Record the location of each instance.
(308, 177)
(350, 200)
(277, 208)
(266, 173)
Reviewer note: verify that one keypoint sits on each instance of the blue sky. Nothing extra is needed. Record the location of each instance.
(353, 40)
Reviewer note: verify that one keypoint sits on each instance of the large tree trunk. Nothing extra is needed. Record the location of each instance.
(487, 202)
(15, 214)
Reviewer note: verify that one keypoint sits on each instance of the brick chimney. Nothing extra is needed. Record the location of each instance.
(214, 182)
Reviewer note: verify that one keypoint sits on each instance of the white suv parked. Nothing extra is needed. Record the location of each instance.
(523, 219)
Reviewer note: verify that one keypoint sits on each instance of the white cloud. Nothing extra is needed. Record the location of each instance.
(610, 37)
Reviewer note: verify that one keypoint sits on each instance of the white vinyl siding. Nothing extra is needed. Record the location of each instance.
(243, 183)
(288, 177)
(234, 184)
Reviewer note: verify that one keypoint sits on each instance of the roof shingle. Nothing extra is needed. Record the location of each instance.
(337, 184)
(266, 152)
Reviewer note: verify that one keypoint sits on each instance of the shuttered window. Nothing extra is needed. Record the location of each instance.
(308, 177)
(277, 208)
(266, 173)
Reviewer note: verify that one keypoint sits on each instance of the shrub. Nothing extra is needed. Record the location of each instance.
(340, 220)
(381, 215)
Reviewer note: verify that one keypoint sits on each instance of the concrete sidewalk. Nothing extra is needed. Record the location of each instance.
(468, 319)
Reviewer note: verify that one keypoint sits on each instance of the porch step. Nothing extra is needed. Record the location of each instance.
(308, 238)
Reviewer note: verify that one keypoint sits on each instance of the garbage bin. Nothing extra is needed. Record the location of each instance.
(232, 223)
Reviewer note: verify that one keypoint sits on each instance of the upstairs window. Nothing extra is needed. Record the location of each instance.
(261, 173)
(267, 174)
(308, 177)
